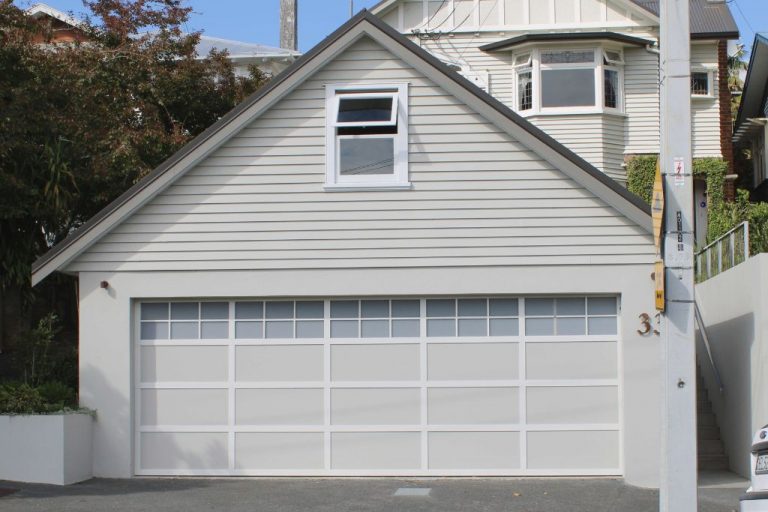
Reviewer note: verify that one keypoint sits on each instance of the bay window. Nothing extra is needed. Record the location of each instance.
(568, 80)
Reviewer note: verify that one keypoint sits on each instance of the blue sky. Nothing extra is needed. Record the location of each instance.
(257, 21)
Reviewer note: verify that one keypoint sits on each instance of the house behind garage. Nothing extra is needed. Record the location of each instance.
(371, 267)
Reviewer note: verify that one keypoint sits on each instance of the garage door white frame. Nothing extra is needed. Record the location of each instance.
(423, 384)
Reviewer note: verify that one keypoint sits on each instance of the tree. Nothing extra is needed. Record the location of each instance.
(82, 122)
(736, 65)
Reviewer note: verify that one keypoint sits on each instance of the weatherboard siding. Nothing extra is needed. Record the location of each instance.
(641, 101)
(478, 198)
(597, 138)
(706, 111)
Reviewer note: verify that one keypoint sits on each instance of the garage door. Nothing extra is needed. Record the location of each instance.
(444, 386)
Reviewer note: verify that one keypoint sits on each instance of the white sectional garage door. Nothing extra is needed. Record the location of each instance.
(448, 386)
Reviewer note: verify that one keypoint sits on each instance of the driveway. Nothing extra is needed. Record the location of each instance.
(347, 495)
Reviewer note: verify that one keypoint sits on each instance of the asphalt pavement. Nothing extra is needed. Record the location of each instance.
(355, 495)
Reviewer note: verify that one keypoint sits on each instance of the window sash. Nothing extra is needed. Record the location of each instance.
(392, 121)
(616, 85)
(371, 166)
(696, 90)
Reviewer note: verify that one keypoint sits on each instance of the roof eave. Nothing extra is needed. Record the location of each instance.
(549, 37)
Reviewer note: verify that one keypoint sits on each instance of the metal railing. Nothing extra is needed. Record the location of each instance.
(726, 252)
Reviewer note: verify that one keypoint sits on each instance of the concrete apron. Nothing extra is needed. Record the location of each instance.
(719, 493)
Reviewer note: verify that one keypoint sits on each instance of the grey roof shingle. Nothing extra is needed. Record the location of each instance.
(708, 18)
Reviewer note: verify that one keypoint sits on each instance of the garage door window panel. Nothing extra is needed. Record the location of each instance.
(472, 317)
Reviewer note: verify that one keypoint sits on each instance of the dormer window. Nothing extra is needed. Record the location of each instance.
(559, 80)
(367, 136)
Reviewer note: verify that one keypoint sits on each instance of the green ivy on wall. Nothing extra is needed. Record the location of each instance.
(722, 216)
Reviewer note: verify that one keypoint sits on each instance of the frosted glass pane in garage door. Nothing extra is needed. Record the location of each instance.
(279, 406)
(184, 407)
(374, 362)
(375, 406)
(202, 364)
(573, 450)
(472, 361)
(375, 450)
(279, 363)
(573, 360)
(472, 406)
(474, 450)
(183, 450)
(278, 450)
(573, 405)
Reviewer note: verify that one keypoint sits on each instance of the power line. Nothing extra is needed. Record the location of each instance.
(746, 20)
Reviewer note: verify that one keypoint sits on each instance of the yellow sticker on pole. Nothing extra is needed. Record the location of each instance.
(657, 209)
(658, 276)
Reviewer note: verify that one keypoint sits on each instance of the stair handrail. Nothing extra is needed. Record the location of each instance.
(705, 338)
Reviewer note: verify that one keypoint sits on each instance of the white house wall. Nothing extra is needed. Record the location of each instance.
(494, 15)
(706, 111)
(597, 138)
(479, 198)
(641, 101)
(107, 333)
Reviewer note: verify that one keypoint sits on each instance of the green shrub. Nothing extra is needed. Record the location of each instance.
(725, 216)
(58, 395)
(641, 172)
(43, 357)
(20, 399)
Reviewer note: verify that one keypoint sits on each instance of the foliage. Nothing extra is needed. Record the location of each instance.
(641, 173)
(19, 398)
(83, 122)
(736, 64)
(42, 359)
(725, 216)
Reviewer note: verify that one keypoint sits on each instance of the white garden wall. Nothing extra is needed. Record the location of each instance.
(46, 448)
(734, 306)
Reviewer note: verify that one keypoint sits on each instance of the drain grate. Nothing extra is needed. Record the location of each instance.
(413, 491)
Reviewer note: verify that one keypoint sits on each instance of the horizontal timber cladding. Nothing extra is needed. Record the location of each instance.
(478, 196)
(430, 386)
(597, 138)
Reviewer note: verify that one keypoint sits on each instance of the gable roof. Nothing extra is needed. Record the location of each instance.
(754, 97)
(39, 10)
(564, 36)
(240, 49)
(363, 24)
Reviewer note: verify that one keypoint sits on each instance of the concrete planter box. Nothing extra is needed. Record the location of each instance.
(46, 448)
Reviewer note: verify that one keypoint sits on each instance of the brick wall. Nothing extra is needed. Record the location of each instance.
(726, 120)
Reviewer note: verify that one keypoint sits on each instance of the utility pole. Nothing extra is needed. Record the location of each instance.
(289, 24)
(679, 471)
(351, 8)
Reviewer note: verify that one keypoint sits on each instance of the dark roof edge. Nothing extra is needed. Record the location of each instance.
(759, 39)
(196, 142)
(292, 69)
(565, 36)
(512, 116)
(714, 35)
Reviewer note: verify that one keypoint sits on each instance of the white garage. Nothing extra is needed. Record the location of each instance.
(436, 386)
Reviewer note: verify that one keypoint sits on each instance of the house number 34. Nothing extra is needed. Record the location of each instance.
(646, 324)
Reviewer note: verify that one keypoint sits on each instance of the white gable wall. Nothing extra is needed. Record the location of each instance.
(478, 198)
(485, 216)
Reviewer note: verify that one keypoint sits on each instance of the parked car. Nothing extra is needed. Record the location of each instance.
(756, 497)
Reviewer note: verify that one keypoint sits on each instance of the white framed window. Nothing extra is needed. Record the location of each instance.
(701, 84)
(366, 136)
(568, 80)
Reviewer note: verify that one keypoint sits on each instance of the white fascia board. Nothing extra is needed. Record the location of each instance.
(214, 141)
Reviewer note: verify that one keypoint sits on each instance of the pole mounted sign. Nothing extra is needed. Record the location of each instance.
(657, 212)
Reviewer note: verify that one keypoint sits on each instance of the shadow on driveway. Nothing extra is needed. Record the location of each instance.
(350, 494)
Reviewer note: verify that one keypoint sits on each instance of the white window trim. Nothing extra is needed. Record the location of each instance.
(598, 65)
(710, 84)
(399, 179)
